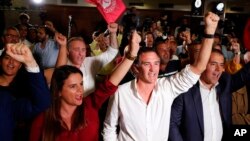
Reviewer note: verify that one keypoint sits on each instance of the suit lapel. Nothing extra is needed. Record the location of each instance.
(198, 105)
(221, 98)
(222, 102)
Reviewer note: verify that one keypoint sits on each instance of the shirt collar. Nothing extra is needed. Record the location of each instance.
(134, 85)
(205, 87)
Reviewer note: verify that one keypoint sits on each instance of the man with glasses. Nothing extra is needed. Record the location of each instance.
(11, 35)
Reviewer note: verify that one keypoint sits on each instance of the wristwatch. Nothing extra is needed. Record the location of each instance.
(130, 57)
(208, 35)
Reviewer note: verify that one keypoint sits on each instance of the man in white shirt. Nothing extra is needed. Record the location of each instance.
(75, 54)
(142, 107)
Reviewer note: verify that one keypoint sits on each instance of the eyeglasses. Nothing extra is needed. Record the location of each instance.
(11, 36)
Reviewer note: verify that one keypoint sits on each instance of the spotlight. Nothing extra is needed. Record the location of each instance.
(37, 1)
(196, 8)
(218, 8)
(197, 3)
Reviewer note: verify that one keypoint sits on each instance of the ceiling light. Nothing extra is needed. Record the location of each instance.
(37, 1)
(197, 3)
(220, 6)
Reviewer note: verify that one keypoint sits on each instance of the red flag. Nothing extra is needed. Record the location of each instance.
(110, 9)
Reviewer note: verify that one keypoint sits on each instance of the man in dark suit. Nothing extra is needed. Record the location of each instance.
(204, 113)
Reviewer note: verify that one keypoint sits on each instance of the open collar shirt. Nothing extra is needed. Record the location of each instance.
(139, 121)
(47, 55)
(212, 119)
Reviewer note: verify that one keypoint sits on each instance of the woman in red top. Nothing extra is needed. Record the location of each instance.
(72, 117)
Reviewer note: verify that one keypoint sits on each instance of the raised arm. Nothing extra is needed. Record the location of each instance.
(112, 51)
(62, 55)
(111, 122)
(121, 70)
(113, 27)
(234, 65)
(40, 98)
(211, 22)
(22, 53)
(236, 51)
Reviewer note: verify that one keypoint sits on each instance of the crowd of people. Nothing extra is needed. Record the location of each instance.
(140, 82)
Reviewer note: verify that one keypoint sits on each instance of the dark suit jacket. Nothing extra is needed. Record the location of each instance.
(14, 109)
(186, 122)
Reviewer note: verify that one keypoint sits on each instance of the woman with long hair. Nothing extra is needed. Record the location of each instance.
(72, 116)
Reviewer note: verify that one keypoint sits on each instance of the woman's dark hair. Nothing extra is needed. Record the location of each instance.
(53, 122)
(1, 58)
(60, 75)
(19, 85)
(3, 54)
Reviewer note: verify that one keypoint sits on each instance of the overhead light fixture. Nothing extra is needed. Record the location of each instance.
(197, 3)
(37, 1)
(220, 6)
(196, 8)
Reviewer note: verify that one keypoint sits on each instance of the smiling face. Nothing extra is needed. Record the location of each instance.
(9, 65)
(148, 67)
(163, 51)
(214, 69)
(72, 90)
